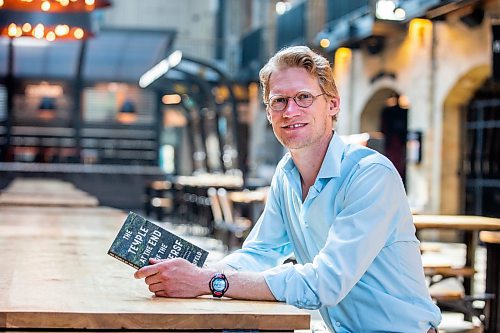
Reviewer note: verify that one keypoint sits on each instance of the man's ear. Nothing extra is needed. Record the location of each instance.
(333, 105)
(268, 115)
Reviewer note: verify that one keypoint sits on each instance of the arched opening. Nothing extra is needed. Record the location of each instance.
(387, 112)
(481, 161)
(455, 104)
(370, 117)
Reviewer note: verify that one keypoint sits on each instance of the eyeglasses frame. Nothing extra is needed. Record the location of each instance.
(293, 97)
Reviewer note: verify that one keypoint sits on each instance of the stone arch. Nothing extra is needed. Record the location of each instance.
(387, 112)
(456, 100)
(370, 116)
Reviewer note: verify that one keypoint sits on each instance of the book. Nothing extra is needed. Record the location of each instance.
(140, 239)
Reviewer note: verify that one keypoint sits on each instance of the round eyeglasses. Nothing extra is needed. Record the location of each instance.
(304, 99)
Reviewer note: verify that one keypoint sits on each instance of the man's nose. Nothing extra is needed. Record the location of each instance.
(291, 109)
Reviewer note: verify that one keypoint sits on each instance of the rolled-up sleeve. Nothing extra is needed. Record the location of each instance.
(362, 227)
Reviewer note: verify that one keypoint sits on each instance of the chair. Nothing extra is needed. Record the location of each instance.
(236, 225)
(231, 230)
(218, 219)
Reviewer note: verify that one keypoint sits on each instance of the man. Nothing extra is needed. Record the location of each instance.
(341, 209)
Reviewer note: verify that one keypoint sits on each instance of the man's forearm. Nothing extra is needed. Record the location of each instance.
(249, 286)
(244, 285)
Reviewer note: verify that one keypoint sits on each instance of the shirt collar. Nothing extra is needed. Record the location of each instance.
(330, 167)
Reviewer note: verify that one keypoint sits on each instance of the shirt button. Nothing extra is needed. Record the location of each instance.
(337, 324)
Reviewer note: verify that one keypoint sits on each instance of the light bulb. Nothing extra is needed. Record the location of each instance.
(78, 33)
(45, 6)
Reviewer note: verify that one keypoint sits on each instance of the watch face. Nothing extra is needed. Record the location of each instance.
(219, 284)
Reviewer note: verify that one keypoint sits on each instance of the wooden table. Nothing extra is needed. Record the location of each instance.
(211, 180)
(471, 225)
(45, 192)
(248, 196)
(249, 203)
(458, 222)
(40, 185)
(56, 275)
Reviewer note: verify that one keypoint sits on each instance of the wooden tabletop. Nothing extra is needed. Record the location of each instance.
(36, 199)
(61, 211)
(208, 180)
(460, 222)
(56, 274)
(39, 185)
(247, 196)
(491, 237)
(45, 192)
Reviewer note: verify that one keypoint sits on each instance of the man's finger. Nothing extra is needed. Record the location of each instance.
(155, 261)
(160, 294)
(156, 287)
(146, 271)
(152, 279)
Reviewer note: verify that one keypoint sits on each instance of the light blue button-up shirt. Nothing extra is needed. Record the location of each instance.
(354, 240)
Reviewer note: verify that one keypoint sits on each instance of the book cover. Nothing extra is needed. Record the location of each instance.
(139, 239)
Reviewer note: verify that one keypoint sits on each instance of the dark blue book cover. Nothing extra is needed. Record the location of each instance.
(139, 239)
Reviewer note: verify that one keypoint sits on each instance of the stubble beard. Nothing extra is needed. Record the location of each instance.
(293, 143)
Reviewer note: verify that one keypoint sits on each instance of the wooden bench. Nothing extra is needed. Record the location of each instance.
(438, 273)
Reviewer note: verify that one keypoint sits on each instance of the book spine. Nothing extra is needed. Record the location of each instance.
(121, 259)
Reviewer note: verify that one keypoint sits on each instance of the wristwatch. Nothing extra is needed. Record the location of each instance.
(218, 285)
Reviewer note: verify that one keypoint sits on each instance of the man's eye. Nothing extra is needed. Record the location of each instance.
(304, 96)
(278, 100)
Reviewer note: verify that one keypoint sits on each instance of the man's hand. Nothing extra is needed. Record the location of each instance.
(175, 278)
(179, 278)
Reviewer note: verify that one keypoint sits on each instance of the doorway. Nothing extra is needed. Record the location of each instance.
(481, 152)
(387, 112)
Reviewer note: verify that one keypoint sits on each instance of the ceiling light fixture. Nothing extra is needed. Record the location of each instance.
(160, 69)
(389, 10)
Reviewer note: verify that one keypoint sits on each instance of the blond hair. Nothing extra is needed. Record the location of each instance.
(302, 57)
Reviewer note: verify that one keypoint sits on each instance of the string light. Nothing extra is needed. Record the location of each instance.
(78, 33)
(45, 6)
(48, 19)
(39, 31)
(26, 27)
(54, 5)
(51, 36)
(11, 30)
(61, 31)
